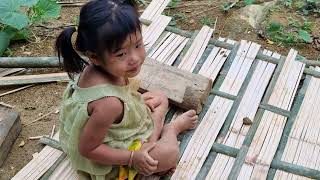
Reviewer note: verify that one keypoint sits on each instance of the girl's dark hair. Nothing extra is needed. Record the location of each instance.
(103, 25)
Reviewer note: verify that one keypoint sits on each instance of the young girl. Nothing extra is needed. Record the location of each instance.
(107, 128)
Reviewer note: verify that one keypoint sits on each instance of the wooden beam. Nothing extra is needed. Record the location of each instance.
(10, 127)
(184, 89)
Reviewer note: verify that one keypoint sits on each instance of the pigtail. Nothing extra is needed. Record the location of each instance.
(72, 62)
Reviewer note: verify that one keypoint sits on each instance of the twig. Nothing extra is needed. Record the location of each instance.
(6, 105)
(55, 27)
(35, 137)
(71, 4)
(16, 90)
(215, 24)
(40, 118)
(225, 22)
(52, 131)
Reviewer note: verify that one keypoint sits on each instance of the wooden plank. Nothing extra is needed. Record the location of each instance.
(15, 90)
(186, 90)
(267, 137)
(7, 71)
(31, 79)
(10, 127)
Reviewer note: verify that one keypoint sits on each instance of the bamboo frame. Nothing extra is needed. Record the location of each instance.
(250, 135)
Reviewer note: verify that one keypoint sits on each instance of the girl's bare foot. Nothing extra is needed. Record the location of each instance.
(185, 121)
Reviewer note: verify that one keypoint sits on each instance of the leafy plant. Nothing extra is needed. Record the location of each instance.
(16, 17)
(294, 32)
(304, 7)
(174, 3)
(207, 21)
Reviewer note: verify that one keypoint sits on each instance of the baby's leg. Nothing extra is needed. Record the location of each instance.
(167, 148)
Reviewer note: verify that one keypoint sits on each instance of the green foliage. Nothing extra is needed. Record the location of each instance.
(15, 20)
(44, 10)
(207, 21)
(294, 32)
(174, 3)
(305, 7)
(248, 2)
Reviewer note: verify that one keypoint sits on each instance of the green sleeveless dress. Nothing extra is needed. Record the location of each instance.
(136, 124)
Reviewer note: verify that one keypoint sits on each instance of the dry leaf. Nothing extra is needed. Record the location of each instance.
(269, 41)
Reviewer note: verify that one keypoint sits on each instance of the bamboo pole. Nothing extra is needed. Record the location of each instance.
(295, 169)
(51, 142)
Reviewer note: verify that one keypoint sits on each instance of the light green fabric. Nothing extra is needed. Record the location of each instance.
(136, 123)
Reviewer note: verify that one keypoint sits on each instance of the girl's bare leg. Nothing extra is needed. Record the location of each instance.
(167, 148)
(158, 115)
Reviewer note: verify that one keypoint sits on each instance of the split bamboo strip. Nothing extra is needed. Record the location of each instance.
(154, 9)
(154, 31)
(40, 164)
(196, 50)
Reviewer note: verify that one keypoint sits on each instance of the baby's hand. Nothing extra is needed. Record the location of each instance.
(143, 162)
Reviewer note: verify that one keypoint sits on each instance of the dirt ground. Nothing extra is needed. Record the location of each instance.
(38, 100)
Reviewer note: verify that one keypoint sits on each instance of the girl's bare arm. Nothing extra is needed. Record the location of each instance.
(103, 112)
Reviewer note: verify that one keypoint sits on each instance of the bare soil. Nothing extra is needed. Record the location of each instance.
(38, 100)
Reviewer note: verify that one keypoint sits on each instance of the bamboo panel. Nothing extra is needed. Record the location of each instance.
(303, 147)
(40, 164)
(207, 131)
(169, 48)
(247, 108)
(268, 134)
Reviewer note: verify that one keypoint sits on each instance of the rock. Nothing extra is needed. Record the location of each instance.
(22, 143)
(254, 14)
(247, 121)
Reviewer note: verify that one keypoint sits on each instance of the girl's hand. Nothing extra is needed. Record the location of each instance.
(151, 101)
(143, 162)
